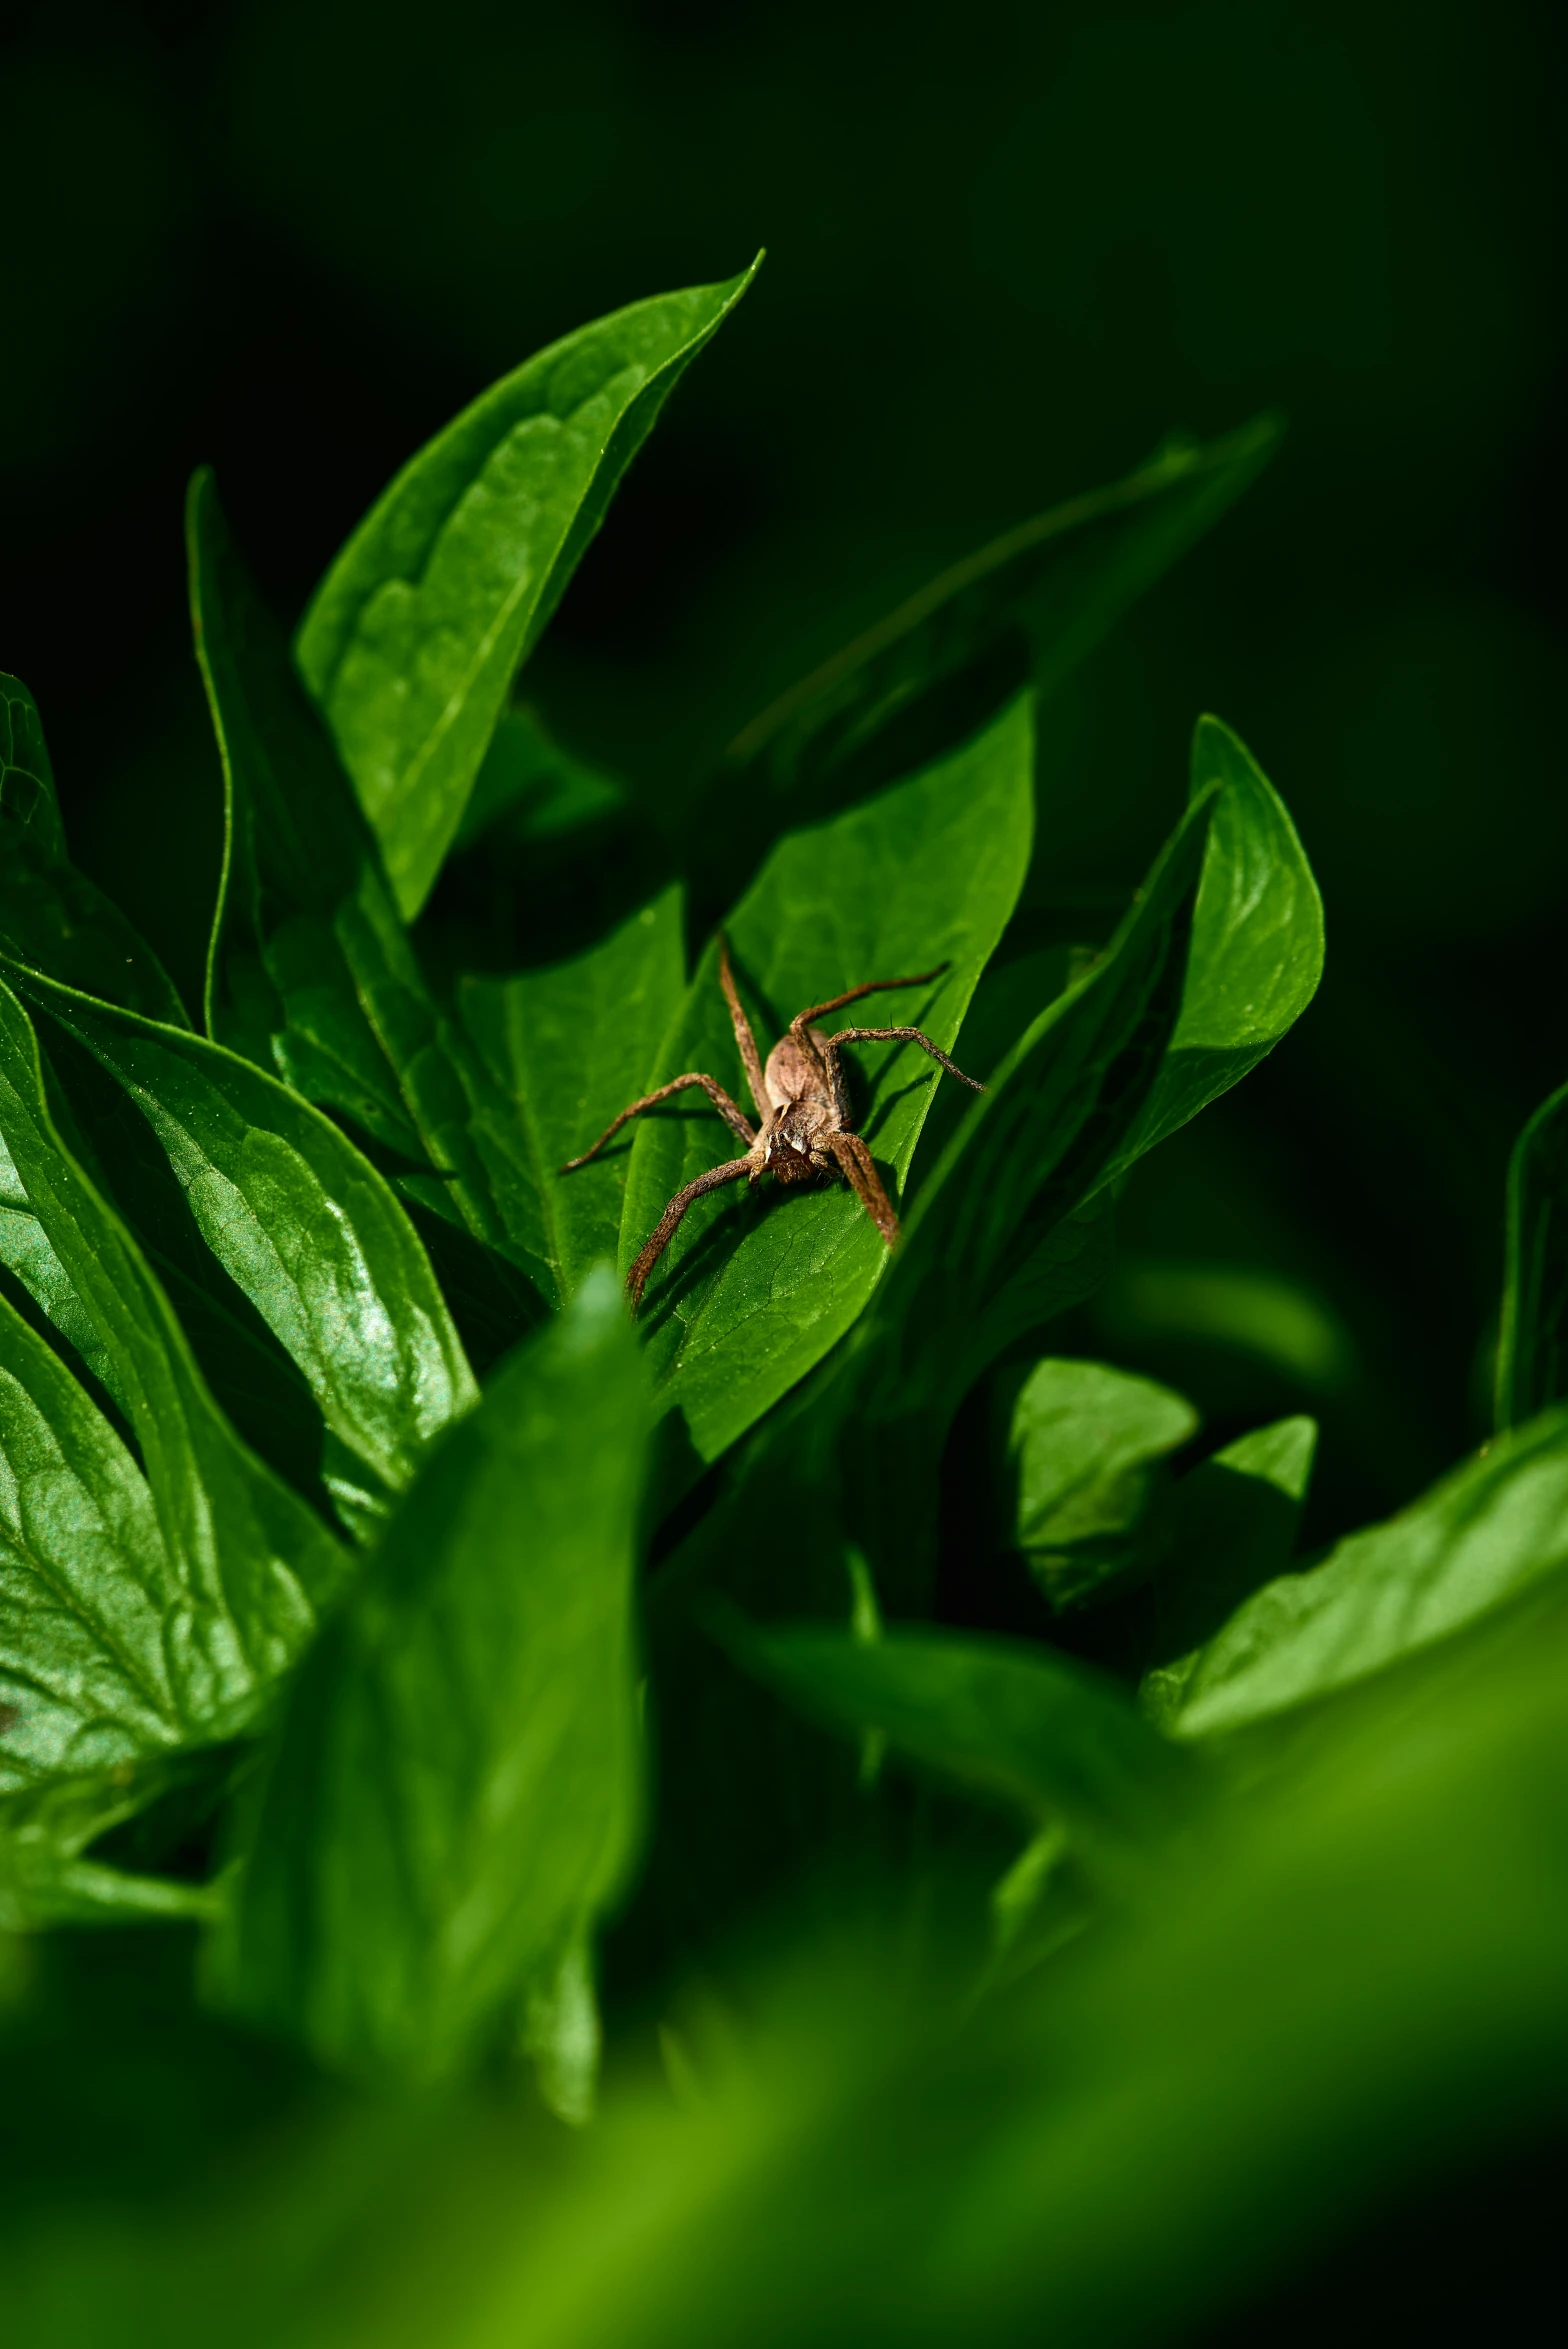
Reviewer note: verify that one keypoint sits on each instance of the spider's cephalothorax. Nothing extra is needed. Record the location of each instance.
(803, 1102)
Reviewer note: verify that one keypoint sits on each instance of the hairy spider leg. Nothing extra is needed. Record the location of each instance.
(901, 1036)
(665, 1231)
(751, 1058)
(814, 1042)
(859, 1171)
(731, 1112)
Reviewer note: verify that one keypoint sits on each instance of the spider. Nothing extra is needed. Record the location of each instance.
(803, 1103)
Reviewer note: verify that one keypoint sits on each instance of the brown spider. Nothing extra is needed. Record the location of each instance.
(803, 1103)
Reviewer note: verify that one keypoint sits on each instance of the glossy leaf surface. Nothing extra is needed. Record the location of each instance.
(756, 1288)
(303, 1225)
(1488, 1531)
(456, 1788)
(565, 1049)
(247, 1563)
(1532, 1343)
(413, 637)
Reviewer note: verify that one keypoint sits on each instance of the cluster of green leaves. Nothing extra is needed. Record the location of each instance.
(345, 1514)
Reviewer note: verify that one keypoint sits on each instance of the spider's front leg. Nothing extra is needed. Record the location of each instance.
(731, 1112)
(859, 1171)
(665, 1230)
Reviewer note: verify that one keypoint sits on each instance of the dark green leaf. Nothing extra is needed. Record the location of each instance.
(754, 1290)
(1257, 941)
(51, 916)
(565, 1049)
(247, 1563)
(1030, 605)
(1038, 1729)
(311, 973)
(412, 640)
(1084, 1444)
(1492, 1528)
(456, 1786)
(1532, 1344)
(533, 787)
(305, 1228)
(1231, 1526)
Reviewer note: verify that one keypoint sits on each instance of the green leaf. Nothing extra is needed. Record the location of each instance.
(305, 1228)
(1257, 941)
(1231, 1525)
(311, 974)
(413, 637)
(89, 1676)
(753, 1291)
(1496, 1525)
(534, 787)
(1039, 1730)
(45, 1879)
(1084, 1444)
(455, 1790)
(247, 1563)
(1030, 605)
(1532, 1344)
(565, 1049)
(51, 916)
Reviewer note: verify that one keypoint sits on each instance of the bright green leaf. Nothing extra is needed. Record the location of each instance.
(305, 1228)
(1085, 1443)
(565, 1049)
(755, 1289)
(1492, 1528)
(47, 1879)
(311, 974)
(1532, 1344)
(1257, 941)
(456, 1786)
(248, 1563)
(412, 640)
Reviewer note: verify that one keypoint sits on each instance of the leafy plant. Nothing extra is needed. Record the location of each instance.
(460, 1658)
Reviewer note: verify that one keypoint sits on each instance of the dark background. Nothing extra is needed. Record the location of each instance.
(1009, 248)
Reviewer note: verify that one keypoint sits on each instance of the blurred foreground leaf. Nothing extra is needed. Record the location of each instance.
(1532, 1344)
(455, 1790)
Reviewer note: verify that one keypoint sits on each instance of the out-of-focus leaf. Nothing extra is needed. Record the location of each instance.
(45, 1879)
(455, 1789)
(754, 1290)
(246, 1562)
(1231, 1526)
(565, 1049)
(413, 637)
(51, 916)
(1085, 1444)
(1532, 1343)
(1257, 941)
(303, 1225)
(1030, 606)
(1488, 1531)
(311, 973)
(1277, 1321)
(1037, 1729)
